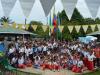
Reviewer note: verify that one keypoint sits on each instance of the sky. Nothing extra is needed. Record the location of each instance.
(37, 12)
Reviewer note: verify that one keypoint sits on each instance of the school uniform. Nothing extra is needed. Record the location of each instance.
(21, 63)
(79, 66)
(90, 62)
(14, 62)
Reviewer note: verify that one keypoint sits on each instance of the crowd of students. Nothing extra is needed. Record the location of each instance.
(54, 55)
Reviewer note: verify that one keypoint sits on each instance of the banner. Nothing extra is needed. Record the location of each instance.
(44, 28)
(27, 6)
(70, 28)
(93, 27)
(47, 5)
(69, 6)
(61, 28)
(77, 28)
(85, 27)
(7, 6)
(34, 27)
(93, 6)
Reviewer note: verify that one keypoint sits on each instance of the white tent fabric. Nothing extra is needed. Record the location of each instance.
(69, 6)
(7, 6)
(93, 6)
(47, 5)
(27, 6)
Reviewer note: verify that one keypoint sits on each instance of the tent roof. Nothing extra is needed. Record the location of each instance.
(10, 30)
(95, 33)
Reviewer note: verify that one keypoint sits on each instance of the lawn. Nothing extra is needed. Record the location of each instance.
(97, 72)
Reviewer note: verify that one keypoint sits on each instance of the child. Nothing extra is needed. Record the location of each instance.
(80, 66)
(14, 61)
(28, 63)
(90, 61)
(21, 62)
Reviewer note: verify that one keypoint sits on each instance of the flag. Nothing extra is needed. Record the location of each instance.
(50, 25)
(54, 20)
(58, 20)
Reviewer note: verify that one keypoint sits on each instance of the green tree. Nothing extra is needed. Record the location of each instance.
(97, 21)
(63, 17)
(89, 21)
(89, 30)
(5, 19)
(77, 18)
(39, 31)
(96, 28)
(74, 33)
(36, 23)
(81, 32)
(66, 34)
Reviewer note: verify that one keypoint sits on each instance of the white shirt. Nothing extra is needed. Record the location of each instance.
(75, 62)
(80, 63)
(30, 50)
(14, 60)
(26, 52)
(45, 48)
(22, 49)
(11, 50)
(91, 57)
(21, 60)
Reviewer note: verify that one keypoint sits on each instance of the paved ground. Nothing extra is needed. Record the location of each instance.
(48, 72)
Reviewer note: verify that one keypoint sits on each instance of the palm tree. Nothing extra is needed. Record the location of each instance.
(5, 19)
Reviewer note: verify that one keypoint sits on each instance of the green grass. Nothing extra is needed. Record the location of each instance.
(97, 72)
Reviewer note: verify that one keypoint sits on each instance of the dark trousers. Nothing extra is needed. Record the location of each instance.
(98, 62)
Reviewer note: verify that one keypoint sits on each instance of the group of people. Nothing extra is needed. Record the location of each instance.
(54, 55)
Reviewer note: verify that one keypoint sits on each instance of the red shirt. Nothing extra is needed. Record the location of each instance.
(97, 52)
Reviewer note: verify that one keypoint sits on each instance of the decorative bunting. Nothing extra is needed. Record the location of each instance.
(7, 6)
(85, 27)
(27, 6)
(70, 28)
(44, 28)
(14, 25)
(98, 25)
(69, 6)
(47, 5)
(93, 6)
(77, 28)
(61, 28)
(93, 27)
(34, 27)
(26, 26)
(19, 26)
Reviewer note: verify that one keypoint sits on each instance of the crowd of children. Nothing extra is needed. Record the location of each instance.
(54, 55)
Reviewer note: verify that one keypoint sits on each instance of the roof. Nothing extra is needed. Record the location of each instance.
(95, 33)
(10, 30)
